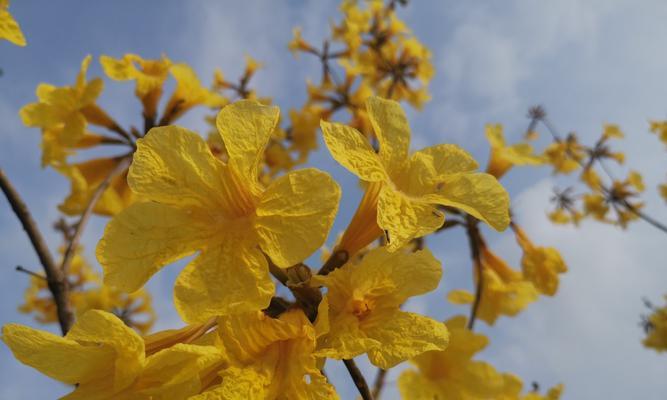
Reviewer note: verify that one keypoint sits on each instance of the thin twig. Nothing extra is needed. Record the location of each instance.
(379, 382)
(20, 268)
(56, 279)
(358, 379)
(475, 241)
(76, 237)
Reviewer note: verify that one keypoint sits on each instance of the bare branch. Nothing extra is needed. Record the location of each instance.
(358, 379)
(56, 279)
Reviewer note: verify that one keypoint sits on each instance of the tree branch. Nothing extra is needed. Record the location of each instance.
(56, 279)
(379, 382)
(358, 379)
(475, 241)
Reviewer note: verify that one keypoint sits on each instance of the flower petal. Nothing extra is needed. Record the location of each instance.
(404, 336)
(245, 127)
(478, 194)
(404, 218)
(392, 130)
(295, 215)
(173, 165)
(349, 147)
(226, 279)
(448, 159)
(145, 237)
(102, 328)
(49, 353)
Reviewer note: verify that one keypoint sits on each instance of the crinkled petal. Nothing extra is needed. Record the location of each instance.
(245, 127)
(226, 279)
(404, 218)
(404, 336)
(448, 159)
(478, 194)
(98, 327)
(238, 384)
(349, 147)
(410, 274)
(392, 130)
(60, 358)
(295, 215)
(145, 237)
(173, 165)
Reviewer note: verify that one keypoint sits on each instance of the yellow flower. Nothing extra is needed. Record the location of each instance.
(452, 373)
(596, 206)
(303, 133)
(106, 360)
(86, 177)
(297, 43)
(189, 93)
(660, 129)
(405, 190)
(195, 202)
(504, 157)
(269, 359)
(566, 155)
(149, 74)
(656, 330)
(364, 314)
(540, 265)
(504, 290)
(67, 110)
(9, 28)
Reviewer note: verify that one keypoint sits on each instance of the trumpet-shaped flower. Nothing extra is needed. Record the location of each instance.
(269, 359)
(67, 110)
(364, 313)
(504, 290)
(452, 373)
(9, 28)
(193, 202)
(149, 75)
(540, 265)
(106, 360)
(504, 157)
(404, 191)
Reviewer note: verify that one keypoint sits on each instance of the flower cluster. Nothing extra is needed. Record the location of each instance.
(260, 322)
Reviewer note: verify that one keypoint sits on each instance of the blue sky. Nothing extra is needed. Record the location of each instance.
(589, 62)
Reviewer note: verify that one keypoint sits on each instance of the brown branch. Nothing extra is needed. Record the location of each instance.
(80, 226)
(56, 279)
(358, 379)
(475, 241)
(379, 382)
